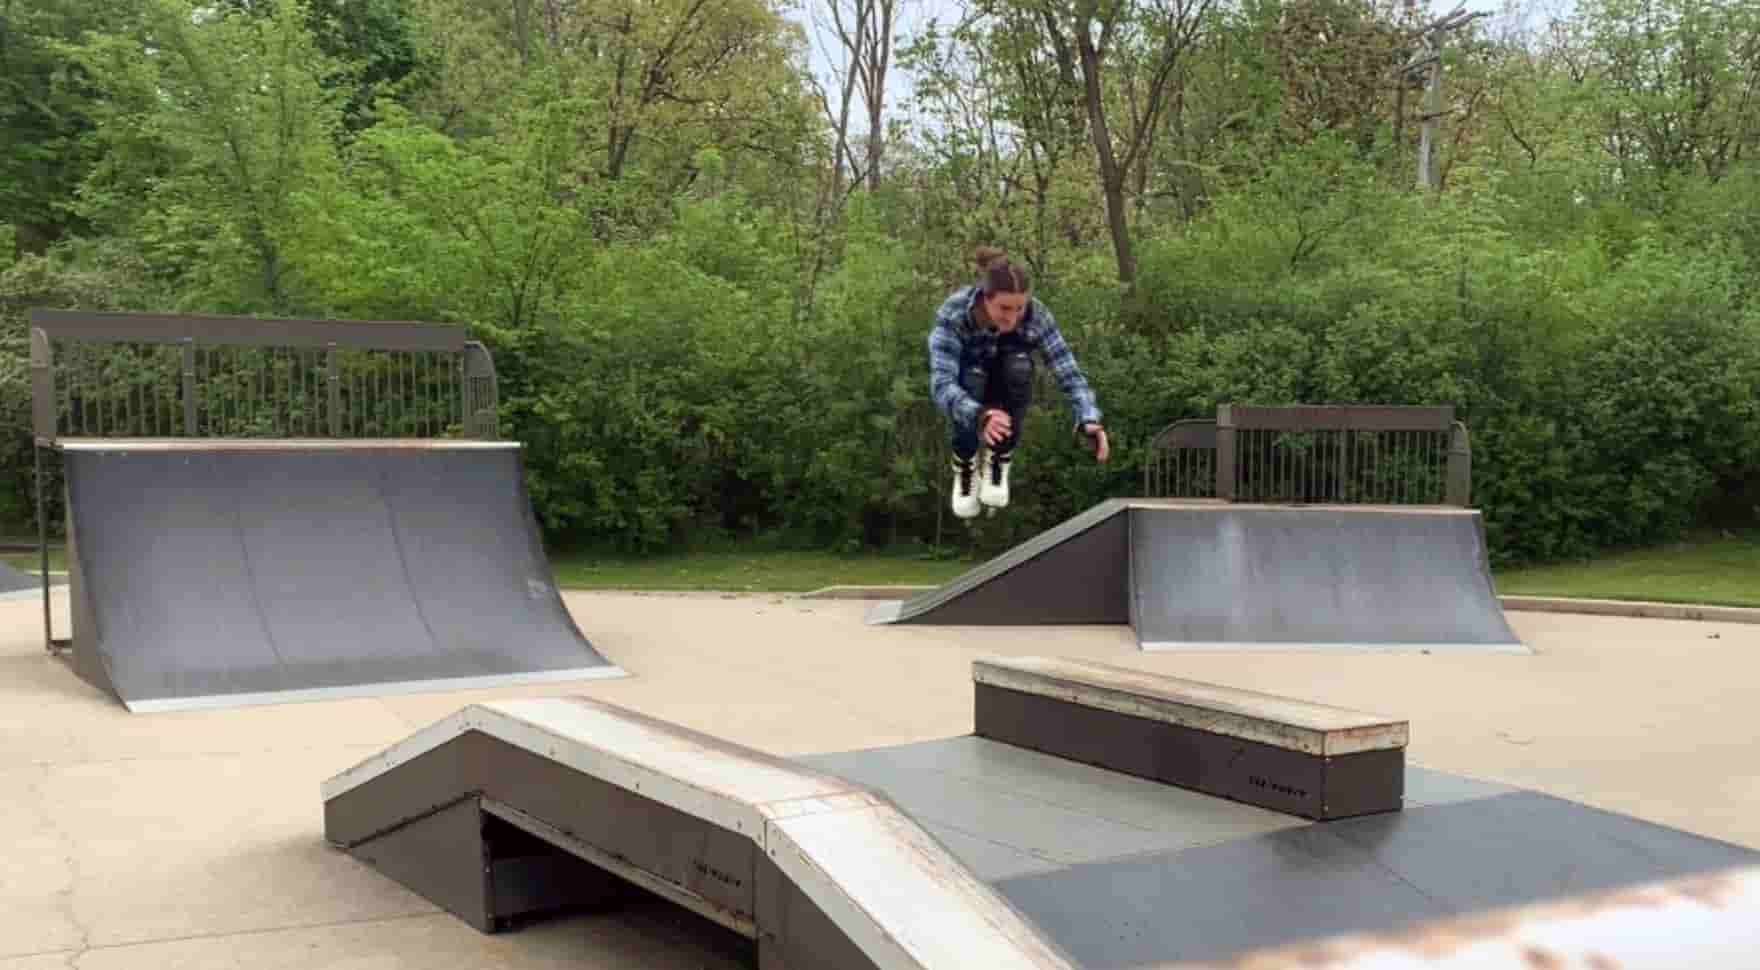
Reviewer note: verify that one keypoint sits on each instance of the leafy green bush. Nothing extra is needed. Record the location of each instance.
(729, 369)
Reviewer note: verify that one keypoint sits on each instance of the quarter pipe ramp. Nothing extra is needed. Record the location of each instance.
(222, 573)
(1209, 575)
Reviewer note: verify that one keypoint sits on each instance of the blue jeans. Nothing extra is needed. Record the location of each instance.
(1005, 382)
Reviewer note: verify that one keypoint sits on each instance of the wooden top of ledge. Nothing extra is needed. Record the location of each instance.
(1282, 722)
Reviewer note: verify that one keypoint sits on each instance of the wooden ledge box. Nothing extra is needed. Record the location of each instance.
(1287, 755)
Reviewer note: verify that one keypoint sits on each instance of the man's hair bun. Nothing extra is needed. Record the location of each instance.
(997, 273)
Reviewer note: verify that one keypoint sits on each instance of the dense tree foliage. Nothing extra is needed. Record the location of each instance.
(707, 274)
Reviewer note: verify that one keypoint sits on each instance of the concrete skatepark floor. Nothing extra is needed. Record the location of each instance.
(194, 839)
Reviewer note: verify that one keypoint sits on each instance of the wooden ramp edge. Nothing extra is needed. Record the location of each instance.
(816, 870)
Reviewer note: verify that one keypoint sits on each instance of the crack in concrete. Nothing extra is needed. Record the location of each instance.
(74, 956)
(204, 755)
(69, 859)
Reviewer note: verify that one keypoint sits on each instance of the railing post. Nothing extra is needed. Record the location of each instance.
(481, 394)
(43, 550)
(189, 384)
(1460, 467)
(335, 391)
(45, 421)
(1342, 474)
(1225, 452)
(44, 409)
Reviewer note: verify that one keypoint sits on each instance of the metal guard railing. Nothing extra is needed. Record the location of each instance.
(1315, 454)
(113, 375)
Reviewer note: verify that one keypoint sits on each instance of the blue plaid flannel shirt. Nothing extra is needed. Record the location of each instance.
(955, 329)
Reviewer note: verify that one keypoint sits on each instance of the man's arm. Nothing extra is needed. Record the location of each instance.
(1062, 362)
(944, 386)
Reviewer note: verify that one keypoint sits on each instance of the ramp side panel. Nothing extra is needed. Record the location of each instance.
(82, 634)
(447, 762)
(1074, 573)
(1268, 575)
(709, 866)
(440, 856)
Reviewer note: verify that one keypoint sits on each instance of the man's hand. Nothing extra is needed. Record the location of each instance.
(994, 425)
(1097, 440)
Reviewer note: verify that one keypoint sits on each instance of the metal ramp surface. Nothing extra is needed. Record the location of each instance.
(1194, 575)
(232, 572)
(1121, 872)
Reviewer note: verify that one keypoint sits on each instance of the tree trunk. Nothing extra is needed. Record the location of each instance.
(1427, 134)
(879, 60)
(843, 155)
(876, 138)
(1111, 179)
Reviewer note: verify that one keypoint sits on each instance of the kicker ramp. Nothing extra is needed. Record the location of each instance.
(526, 806)
(223, 573)
(1195, 575)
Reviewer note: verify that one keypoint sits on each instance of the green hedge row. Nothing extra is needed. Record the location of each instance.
(685, 390)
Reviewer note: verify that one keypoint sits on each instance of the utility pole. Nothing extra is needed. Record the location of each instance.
(1428, 59)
